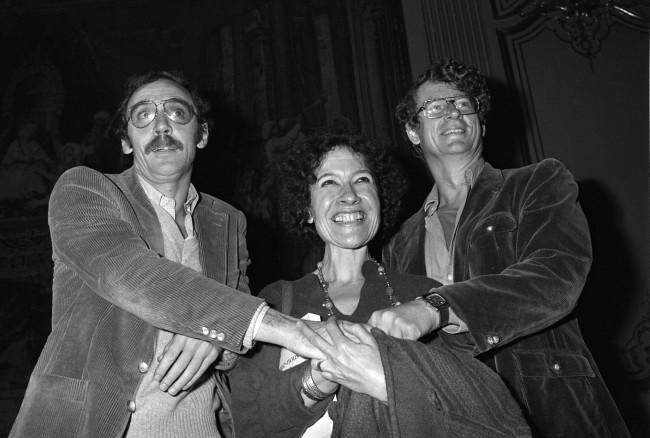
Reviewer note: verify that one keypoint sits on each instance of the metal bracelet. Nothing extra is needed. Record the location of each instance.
(310, 389)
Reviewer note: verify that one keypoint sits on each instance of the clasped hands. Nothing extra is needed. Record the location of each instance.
(350, 356)
(344, 352)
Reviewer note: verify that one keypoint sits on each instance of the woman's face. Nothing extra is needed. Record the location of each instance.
(344, 201)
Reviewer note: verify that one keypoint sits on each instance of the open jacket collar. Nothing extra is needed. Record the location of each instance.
(148, 220)
(411, 254)
(488, 184)
(208, 221)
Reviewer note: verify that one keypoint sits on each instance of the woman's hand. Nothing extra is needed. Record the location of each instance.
(325, 386)
(226, 361)
(352, 358)
(323, 383)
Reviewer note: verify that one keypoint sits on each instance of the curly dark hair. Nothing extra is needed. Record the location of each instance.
(298, 172)
(468, 80)
(133, 83)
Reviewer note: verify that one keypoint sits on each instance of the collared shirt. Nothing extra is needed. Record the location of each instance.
(441, 225)
(158, 413)
(169, 204)
(189, 413)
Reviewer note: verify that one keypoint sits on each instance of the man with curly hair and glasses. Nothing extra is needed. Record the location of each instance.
(512, 251)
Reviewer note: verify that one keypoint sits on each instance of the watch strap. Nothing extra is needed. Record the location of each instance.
(438, 302)
(444, 315)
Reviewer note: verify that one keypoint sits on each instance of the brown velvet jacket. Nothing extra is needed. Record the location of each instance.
(112, 290)
(521, 259)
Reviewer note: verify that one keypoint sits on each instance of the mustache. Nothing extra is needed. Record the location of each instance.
(162, 141)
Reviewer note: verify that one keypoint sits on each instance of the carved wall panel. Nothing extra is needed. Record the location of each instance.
(525, 40)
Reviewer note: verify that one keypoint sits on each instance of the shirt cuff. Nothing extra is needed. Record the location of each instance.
(254, 326)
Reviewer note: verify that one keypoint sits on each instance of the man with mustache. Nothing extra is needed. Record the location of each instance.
(512, 250)
(150, 292)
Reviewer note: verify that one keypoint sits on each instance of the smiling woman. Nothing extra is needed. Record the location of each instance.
(299, 179)
(344, 201)
(336, 187)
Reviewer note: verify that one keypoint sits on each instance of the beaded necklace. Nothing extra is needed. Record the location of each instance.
(327, 302)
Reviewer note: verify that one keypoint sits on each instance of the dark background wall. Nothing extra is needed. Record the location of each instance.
(276, 69)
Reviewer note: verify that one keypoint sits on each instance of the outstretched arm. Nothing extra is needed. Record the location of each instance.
(185, 359)
(103, 242)
(290, 333)
(526, 262)
(411, 320)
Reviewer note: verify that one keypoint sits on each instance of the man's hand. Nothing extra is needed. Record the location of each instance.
(183, 361)
(410, 320)
(352, 358)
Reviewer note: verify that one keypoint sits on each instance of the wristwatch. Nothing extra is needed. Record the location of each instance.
(438, 302)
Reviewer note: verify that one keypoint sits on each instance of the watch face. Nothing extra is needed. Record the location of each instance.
(436, 300)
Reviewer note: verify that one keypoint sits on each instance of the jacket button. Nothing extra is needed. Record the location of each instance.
(130, 406)
(205, 331)
(556, 367)
(490, 228)
(493, 339)
(143, 367)
(218, 336)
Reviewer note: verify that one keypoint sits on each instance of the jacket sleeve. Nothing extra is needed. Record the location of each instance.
(526, 265)
(95, 238)
(436, 391)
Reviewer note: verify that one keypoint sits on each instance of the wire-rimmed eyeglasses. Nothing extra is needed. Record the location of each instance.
(177, 110)
(436, 108)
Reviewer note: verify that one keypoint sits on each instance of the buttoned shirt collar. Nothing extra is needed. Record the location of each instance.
(167, 203)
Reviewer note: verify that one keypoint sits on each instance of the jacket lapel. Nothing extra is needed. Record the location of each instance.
(484, 190)
(416, 264)
(407, 253)
(148, 220)
(212, 230)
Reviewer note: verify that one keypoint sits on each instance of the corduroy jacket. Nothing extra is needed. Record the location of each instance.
(113, 289)
(521, 259)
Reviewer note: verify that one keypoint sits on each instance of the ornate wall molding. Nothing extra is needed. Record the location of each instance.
(584, 24)
(504, 9)
(514, 32)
